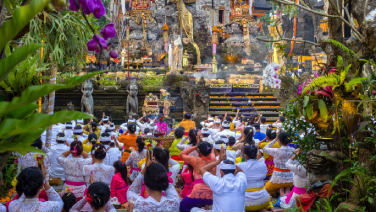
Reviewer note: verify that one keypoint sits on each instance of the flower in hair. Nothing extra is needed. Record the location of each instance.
(89, 198)
(222, 145)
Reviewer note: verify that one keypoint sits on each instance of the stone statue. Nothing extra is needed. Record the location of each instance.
(70, 106)
(132, 101)
(87, 102)
(177, 56)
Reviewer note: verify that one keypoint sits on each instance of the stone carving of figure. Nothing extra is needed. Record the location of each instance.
(177, 56)
(87, 102)
(70, 106)
(132, 101)
(201, 99)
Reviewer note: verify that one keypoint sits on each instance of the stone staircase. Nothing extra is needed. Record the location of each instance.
(248, 103)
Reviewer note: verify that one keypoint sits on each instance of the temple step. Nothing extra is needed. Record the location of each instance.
(237, 104)
(243, 99)
(241, 94)
(244, 109)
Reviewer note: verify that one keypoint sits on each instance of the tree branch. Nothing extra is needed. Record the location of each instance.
(108, 18)
(322, 14)
(288, 39)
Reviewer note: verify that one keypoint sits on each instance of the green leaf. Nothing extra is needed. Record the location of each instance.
(21, 143)
(33, 93)
(22, 112)
(344, 73)
(21, 17)
(296, 111)
(323, 110)
(10, 127)
(309, 110)
(370, 200)
(20, 54)
(324, 154)
(339, 61)
(305, 102)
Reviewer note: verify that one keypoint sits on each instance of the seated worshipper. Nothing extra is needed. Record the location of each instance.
(69, 199)
(161, 124)
(206, 135)
(215, 128)
(188, 178)
(229, 119)
(279, 122)
(89, 142)
(3, 208)
(228, 190)
(80, 121)
(256, 197)
(114, 134)
(192, 137)
(162, 194)
(104, 123)
(263, 126)
(135, 157)
(112, 154)
(92, 127)
(282, 177)
(201, 194)
(98, 171)
(243, 125)
(217, 150)
(77, 134)
(69, 129)
(133, 121)
(73, 168)
(120, 182)
(30, 159)
(30, 182)
(129, 140)
(114, 150)
(187, 123)
(240, 145)
(97, 199)
(208, 122)
(238, 120)
(56, 128)
(258, 135)
(62, 146)
(271, 134)
(226, 132)
(230, 152)
(301, 182)
(145, 123)
(174, 151)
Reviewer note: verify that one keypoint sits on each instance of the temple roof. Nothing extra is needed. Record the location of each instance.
(261, 5)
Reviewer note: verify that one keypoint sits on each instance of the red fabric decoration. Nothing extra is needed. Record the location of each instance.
(89, 199)
(307, 200)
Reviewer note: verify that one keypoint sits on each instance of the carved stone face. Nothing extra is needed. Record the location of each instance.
(204, 97)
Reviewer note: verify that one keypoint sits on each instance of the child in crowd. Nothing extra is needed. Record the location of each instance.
(120, 182)
(69, 200)
(188, 178)
(174, 150)
(135, 157)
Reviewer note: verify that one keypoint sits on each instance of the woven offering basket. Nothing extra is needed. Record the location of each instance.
(167, 140)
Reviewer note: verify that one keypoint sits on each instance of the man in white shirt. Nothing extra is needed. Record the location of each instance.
(206, 135)
(132, 120)
(80, 121)
(104, 123)
(145, 123)
(59, 148)
(77, 134)
(111, 155)
(263, 126)
(226, 132)
(228, 191)
(69, 129)
(208, 122)
(217, 150)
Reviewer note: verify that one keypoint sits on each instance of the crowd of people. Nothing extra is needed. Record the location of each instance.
(230, 164)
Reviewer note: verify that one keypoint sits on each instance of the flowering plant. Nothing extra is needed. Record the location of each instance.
(270, 76)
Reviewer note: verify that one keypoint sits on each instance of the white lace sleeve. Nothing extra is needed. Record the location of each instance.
(47, 164)
(172, 194)
(175, 168)
(79, 205)
(269, 150)
(130, 160)
(53, 196)
(2, 208)
(181, 144)
(109, 207)
(135, 188)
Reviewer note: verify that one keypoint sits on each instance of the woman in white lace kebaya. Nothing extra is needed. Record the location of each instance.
(135, 157)
(282, 177)
(97, 197)
(300, 182)
(163, 196)
(73, 168)
(98, 172)
(256, 197)
(192, 134)
(29, 185)
(31, 159)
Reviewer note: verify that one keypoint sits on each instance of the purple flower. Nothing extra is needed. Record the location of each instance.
(275, 76)
(304, 84)
(96, 7)
(62, 79)
(276, 68)
(373, 92)
(300, 87)
(92, 45)
(317, 75)
(74, 7)
(108, 31)
(113, 54)
(310, 80)
(299, 92)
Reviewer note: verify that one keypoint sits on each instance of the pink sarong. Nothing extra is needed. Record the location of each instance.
(296, 190)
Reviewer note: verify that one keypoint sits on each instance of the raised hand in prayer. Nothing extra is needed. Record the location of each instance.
(149, 160)
(222, 154)
(130, 207)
